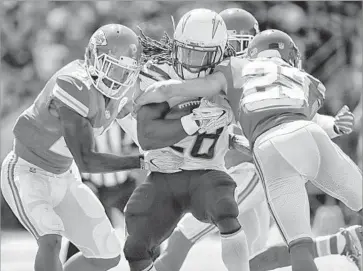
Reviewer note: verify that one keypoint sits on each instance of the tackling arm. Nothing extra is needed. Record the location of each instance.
(207, 86)
(155, 132)
(78, 134)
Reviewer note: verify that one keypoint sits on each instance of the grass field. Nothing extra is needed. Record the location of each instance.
(18, 251)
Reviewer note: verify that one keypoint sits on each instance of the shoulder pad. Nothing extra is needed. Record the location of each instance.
(73, 93)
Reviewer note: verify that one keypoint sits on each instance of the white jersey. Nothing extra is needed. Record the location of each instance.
(201, 151)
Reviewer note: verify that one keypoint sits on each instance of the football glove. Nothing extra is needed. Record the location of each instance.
(212, 116)
(344, 121)
(162, 160)
(240, 143)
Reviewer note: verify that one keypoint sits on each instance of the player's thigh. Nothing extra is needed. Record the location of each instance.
(338, 175)
(151, 213)
(287, 150)
(283, 176)
(212, 196)
(28, 192)
(86, 223)
(193, 229)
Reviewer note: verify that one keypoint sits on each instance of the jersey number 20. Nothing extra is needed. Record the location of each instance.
(196, 151)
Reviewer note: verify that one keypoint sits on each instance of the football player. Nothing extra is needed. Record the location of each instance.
(275, 101)
(197, 182)
(242, 26)
(54, 140)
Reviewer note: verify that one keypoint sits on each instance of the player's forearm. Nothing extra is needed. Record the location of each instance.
(158, 134)
(199, 87)
(327, 123)
(95, 162)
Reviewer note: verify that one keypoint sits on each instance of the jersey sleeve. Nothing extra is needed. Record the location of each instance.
(225, 67)
(327, 123)
(232, 71)
(73, 93)
(316, 95)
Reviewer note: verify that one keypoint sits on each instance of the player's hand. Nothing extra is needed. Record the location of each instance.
(240, 143)
(155, 93)
(212, 116)
(344, 121)
(162, 160)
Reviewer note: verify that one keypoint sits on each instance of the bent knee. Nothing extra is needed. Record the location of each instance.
(305, 242)
(104, 264)
(224, 208)
(136, 249)
(51, 242)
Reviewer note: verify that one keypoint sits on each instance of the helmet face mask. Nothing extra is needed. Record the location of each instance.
(199, 42)
(194, 59)
(239, 42)
(242, 26)
(111, 75)
(113, 68)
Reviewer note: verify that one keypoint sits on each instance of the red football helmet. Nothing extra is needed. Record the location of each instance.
(275, 43)
(242, 26)
(113, 60)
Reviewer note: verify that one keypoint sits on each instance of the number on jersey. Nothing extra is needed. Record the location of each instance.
(201, 148)
(271, 85)
(204, 145)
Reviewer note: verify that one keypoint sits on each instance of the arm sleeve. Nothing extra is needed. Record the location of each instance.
(316, 91)
(72, 93)
(327, 123)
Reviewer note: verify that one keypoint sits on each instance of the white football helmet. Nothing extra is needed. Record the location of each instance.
(199, 42)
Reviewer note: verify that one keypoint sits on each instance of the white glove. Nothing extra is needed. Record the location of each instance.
(162, 160)
(344, 121)
(239, 143)
(212, 116)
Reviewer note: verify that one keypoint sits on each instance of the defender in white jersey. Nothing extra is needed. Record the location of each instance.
(157, 205)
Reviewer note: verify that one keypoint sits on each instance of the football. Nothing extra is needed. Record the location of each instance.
(182, 109)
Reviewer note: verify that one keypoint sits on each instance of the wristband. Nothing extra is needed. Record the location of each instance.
(189, 125)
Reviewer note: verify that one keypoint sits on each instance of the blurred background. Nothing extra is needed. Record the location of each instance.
(38, 38)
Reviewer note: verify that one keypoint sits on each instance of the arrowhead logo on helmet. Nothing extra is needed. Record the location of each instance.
(184, 23)
(216, 22)
(99, 38)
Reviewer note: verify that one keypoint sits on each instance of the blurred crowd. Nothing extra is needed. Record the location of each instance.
(38, 38)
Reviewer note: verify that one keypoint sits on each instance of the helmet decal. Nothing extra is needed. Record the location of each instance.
(133, 49)
(99, 38)
(216, 22)
(184, 23)
(253, 52)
